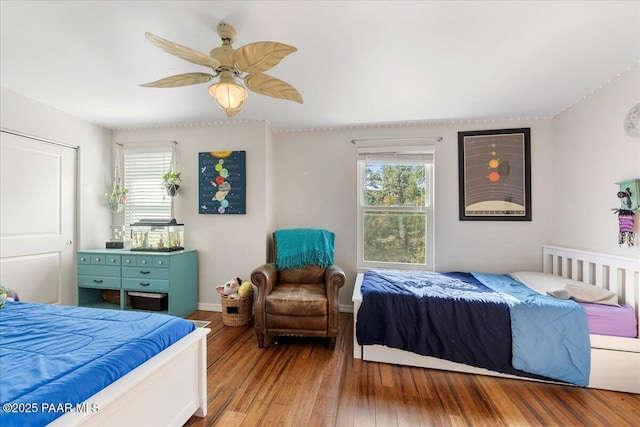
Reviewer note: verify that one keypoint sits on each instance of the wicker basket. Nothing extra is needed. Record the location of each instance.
(113, 297)
(237, 311)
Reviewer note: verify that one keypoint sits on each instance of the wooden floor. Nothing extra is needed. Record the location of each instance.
(300, 382)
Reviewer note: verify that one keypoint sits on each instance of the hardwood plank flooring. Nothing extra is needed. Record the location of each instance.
(300, 382)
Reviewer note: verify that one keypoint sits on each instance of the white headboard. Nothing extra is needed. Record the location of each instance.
(617, 274)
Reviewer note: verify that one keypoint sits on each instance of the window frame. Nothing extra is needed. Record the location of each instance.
(402, 155)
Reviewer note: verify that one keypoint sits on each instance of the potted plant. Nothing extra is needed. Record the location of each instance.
(117, 198)
(171, 182)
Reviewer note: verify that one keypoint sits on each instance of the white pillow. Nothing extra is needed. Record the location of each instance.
(540, 282)
(545, 283)
(590, 293)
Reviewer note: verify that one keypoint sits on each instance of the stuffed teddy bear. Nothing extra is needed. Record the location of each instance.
(230, 288)
(245, 289)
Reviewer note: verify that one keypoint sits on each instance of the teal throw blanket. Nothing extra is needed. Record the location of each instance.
(298, 247)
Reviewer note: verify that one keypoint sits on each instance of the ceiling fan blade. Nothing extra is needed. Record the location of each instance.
(180, 80)
(260, 56)
(271, 86)
(183, 52)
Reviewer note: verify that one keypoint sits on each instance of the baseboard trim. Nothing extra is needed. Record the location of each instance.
(346, 308)
(204, 306)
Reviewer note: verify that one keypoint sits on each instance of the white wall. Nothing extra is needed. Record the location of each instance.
(317, 188)
(28, 116)
(308, 179)
(271, 190)
(228, 245)
(591, 152)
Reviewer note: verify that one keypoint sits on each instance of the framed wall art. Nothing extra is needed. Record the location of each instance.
(494, 170)
(222, 177)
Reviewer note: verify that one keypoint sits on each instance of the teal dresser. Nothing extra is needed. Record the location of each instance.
(172, 273)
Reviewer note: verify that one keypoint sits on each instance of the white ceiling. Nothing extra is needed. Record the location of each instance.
(358, 62)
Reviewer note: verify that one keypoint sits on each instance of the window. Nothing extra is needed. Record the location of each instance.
(143, 170)
(395, 208)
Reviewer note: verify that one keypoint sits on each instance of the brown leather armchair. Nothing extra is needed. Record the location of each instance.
(300, 301)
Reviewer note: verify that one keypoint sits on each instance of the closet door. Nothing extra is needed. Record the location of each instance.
(37, 219)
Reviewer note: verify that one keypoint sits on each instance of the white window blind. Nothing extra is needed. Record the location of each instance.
(143, 170)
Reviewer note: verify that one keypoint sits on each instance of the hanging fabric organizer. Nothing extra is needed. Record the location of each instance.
(626, 233)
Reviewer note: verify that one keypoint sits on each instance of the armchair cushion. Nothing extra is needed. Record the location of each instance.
(290, 299)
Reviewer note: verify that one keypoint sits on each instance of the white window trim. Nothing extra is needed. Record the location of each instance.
(428, 209)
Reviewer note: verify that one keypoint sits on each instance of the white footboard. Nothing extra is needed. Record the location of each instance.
(165, 390)
(615, 361)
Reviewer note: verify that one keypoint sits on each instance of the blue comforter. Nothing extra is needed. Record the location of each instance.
(487, 321)
(53, 357)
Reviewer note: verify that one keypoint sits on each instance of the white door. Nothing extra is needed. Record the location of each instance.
(37, 219)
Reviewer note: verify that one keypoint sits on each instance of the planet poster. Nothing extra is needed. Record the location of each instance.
(495, 175)
(222, 183)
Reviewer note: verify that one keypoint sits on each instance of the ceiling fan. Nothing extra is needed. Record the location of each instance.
(246, 63)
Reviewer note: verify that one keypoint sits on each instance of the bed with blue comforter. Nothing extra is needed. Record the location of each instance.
(54, 357)
(484, 320)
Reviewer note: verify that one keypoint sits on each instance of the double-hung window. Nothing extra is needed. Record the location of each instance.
(143, 170)
(395, 208)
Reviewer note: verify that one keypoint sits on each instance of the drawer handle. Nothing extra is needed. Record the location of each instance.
(128, 261)
(83, 259)
(97, 259)
(112, 260)
(144, 272)
(160, 263)
(97, 280)
(144, 284)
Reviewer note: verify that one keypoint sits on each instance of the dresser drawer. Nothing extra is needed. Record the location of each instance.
(84, 258)
(129, 260)
(112, 259)
(160, 261)
(144, 261)
(99, 282)
(99, 270)
(145, 284)
(144, 273)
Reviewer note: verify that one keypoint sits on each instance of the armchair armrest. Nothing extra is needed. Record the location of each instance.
(264, 277)
(334, 279)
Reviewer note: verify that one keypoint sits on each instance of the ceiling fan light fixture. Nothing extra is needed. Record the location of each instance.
(247, 63)
(229, 95)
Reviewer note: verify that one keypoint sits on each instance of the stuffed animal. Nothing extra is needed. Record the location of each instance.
(7, 294)
(230, 288)
(245, 290)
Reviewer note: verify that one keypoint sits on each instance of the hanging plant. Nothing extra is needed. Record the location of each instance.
(171, 182)
(116, 199)
(118, 196)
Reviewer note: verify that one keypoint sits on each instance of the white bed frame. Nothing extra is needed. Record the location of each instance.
(615, 361)
(166, 390)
